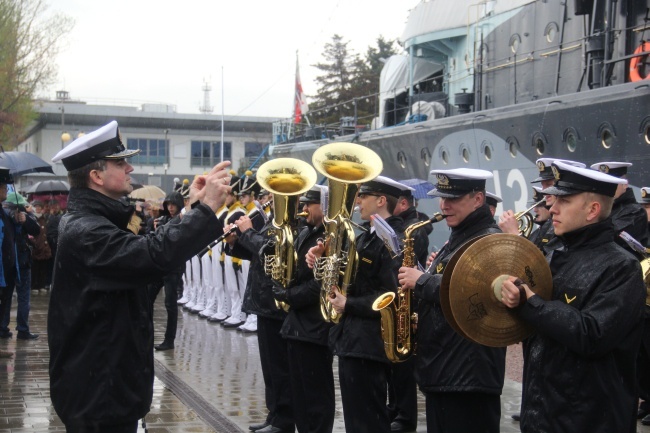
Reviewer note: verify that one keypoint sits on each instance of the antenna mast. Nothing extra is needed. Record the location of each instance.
(206, 108)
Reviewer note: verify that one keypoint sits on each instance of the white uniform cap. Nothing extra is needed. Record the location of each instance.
(459, 181)
(545, 170)
(645, 195)
(574, 180)
(612, 168)
(103, 143)
(384, 185)
(492, 199)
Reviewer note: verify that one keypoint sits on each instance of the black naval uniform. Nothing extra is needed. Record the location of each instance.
(579, 370)
(629, 216)
(543, 235)
(100, 329)
(357, 341)
(306, 332)
(258, 299)
(462, 380)
(402, 386)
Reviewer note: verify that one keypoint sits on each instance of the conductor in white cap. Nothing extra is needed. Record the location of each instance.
(579, 370)
(100, 329)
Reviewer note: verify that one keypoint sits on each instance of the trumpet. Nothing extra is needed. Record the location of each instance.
(526, 219)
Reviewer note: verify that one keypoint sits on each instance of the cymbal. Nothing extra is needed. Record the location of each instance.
(476, 281)
(444, 285)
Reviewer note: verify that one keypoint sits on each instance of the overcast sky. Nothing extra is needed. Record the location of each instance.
(160, 51)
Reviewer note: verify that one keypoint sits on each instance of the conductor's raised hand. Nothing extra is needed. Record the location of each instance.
(213, 188)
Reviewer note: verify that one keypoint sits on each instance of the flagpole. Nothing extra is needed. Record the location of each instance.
(222, 120)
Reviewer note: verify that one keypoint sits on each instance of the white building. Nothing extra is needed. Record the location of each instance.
(172, 144)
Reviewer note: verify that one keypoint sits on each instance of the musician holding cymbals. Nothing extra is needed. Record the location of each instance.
(461, 380)
(579, 370)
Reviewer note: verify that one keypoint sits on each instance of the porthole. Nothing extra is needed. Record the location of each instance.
(515, 41)
(464, 152)
(570, 138)
(513, 146)
(606, 134)
(444, 155)
(426, 156)
(644, 130)
(401, 158)
(551, 31)
(539, 143)
(487, 150)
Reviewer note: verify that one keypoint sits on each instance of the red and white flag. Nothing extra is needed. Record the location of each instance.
(300, 106)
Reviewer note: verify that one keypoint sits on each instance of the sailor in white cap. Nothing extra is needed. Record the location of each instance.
(99, 318)
(355, 339)
(493, 201)
(627, 215)
(591, 327)
(447, 361)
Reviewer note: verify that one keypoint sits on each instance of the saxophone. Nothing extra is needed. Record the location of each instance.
(398, 320)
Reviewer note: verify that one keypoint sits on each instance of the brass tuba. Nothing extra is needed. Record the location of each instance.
(398, 318)
(287, 179)
(346, 165)
(526, 219)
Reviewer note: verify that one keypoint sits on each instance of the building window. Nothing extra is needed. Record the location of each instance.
(208, 153)
(252, 149)
(152, 151)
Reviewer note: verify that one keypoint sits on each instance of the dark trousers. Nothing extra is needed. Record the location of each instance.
(275, 370)
(462, 412)
(312, 386)
(5, 299)
(643, 365)
(403, 393)
(171, 282)
(39, 274)
(363, 394)
(129, 427)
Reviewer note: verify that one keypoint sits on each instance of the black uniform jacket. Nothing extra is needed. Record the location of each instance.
(100, 329)
(305, 321)
(358, 333)
(421, 236)
(258, 296)
(579, 369)
(543, 235)
(627, 215)
(446, 361)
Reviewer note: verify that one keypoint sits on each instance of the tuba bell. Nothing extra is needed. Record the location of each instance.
(346, 165)
(287, 179)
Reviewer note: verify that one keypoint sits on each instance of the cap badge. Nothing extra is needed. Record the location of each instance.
(644, 193)
(442, 179)
(556, 172)
(604, 168)
(540, 166)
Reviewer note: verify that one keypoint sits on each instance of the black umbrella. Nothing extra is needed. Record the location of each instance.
(48, 187)
(20, 163)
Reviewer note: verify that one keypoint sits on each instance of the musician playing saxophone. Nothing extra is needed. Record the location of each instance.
(356, 339)
(461, 380)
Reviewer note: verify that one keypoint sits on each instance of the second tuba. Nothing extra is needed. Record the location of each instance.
(287, 179)
(346, 165)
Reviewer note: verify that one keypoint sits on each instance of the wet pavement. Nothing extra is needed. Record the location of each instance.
(211, 382)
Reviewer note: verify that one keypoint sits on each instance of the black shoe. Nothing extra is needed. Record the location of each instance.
(646, 420)
(164, 346)
(232, 326)
(270, 429)
(6, 334)
(24, 335)
(399, 426)
(642, 413)
(256, 427)
(516, 417)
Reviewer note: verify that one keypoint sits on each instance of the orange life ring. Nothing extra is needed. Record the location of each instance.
(637, 61)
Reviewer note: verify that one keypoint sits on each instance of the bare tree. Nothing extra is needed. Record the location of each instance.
(29, 43)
